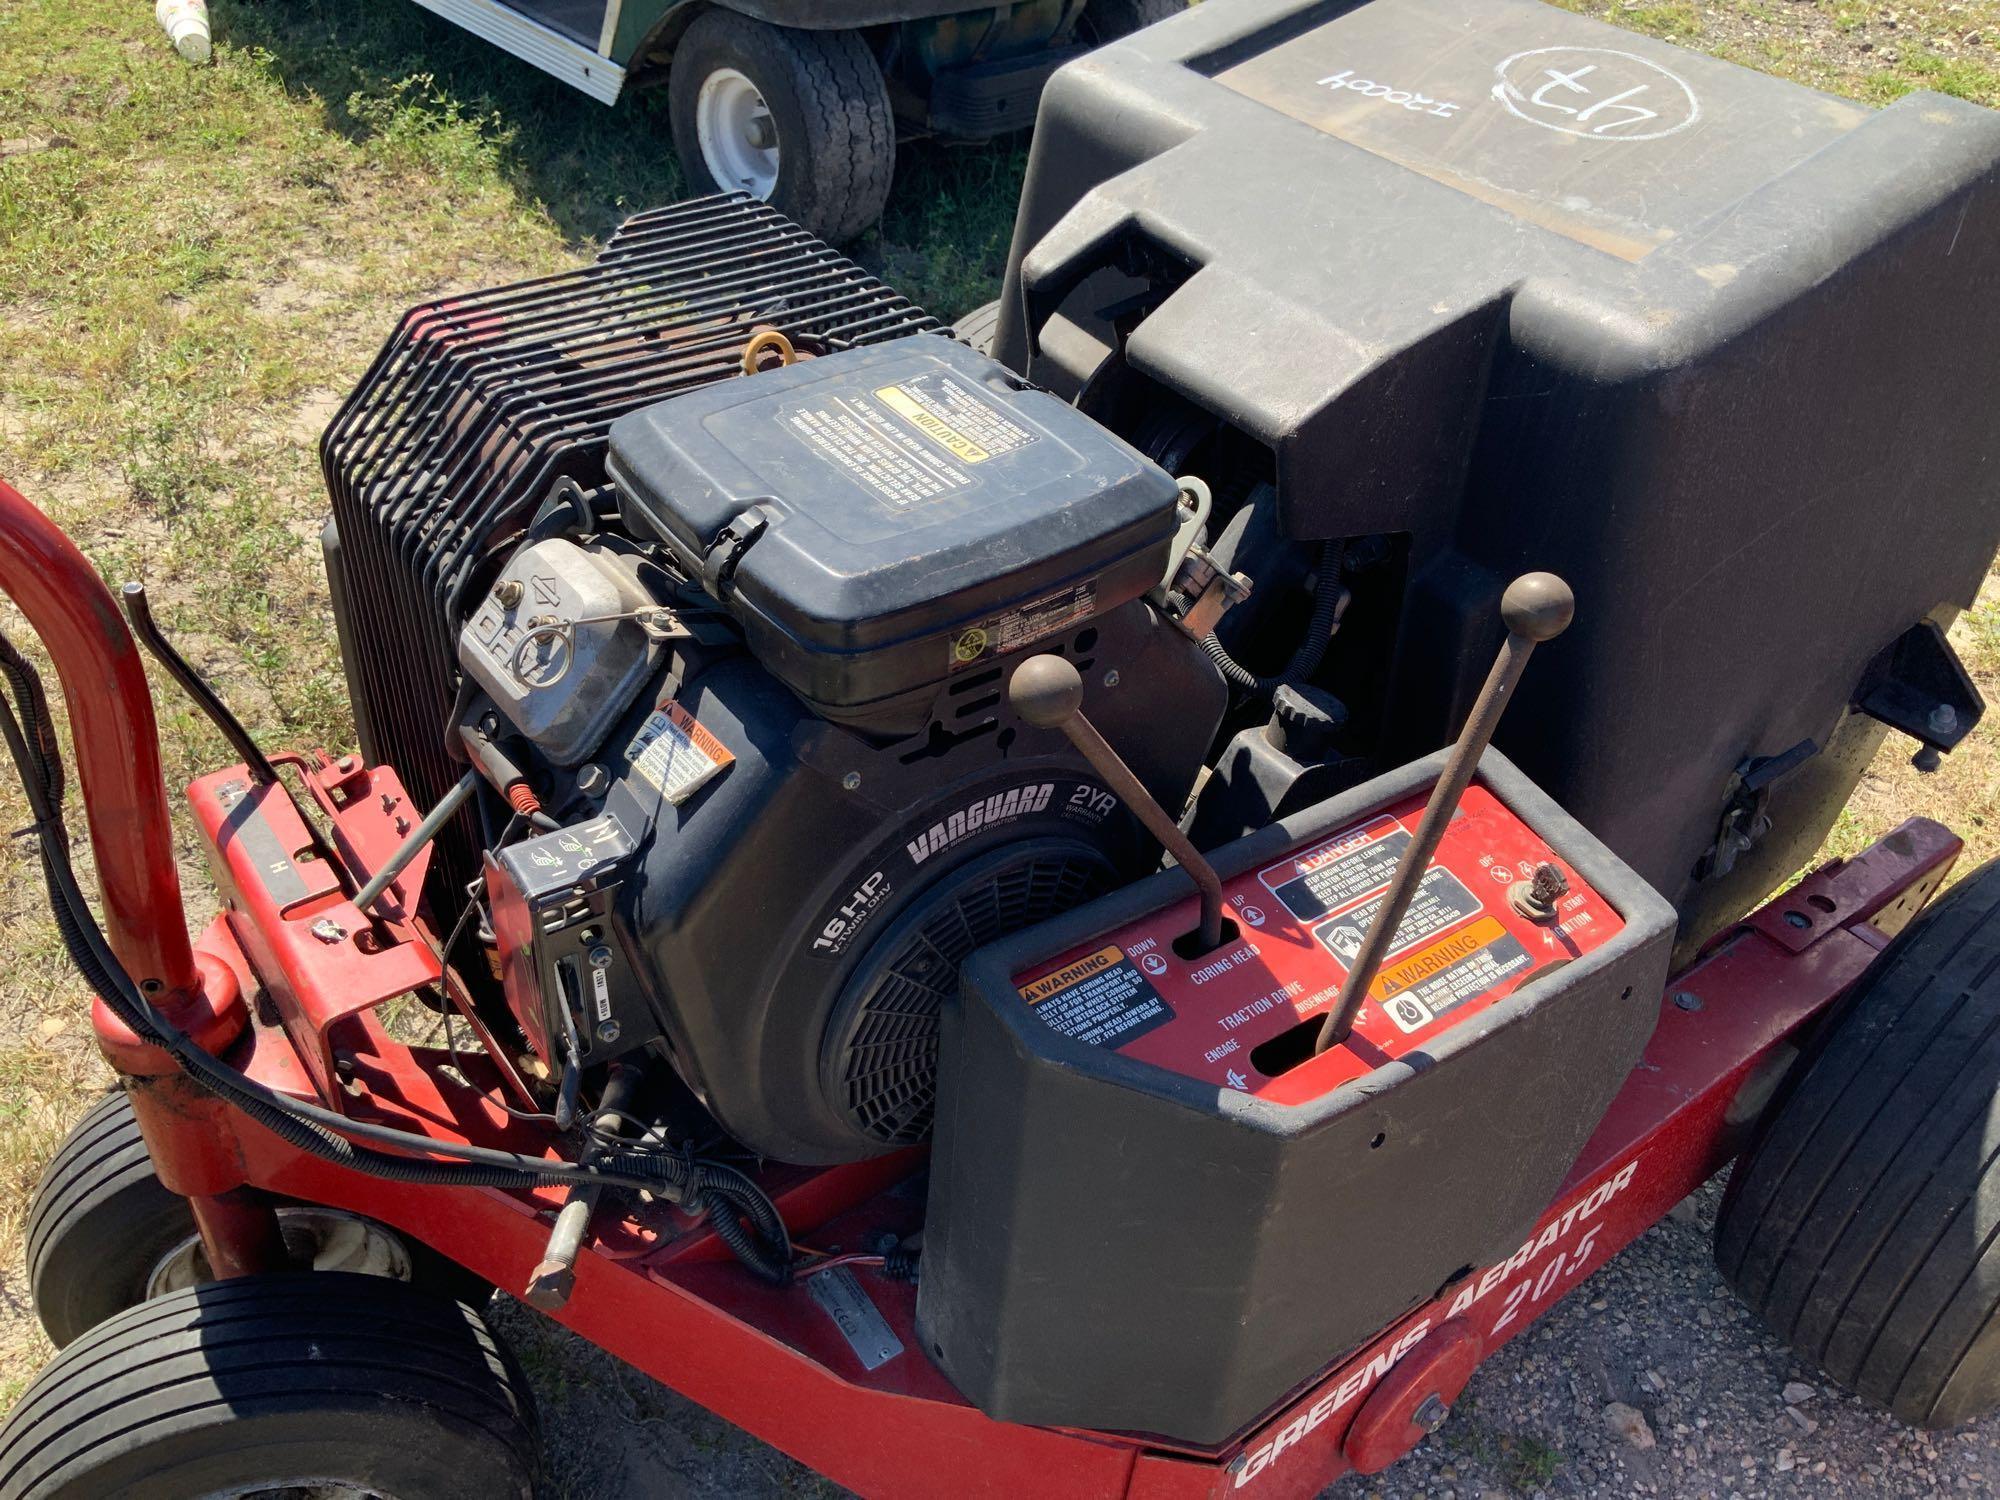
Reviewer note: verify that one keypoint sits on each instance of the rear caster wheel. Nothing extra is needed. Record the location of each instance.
(105, 1234)
(800, 119)
(332, 1386)
(978, 327)
(1863, 1224)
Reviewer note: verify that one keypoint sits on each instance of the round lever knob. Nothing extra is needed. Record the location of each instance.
(1046, 691)
(1537, 606)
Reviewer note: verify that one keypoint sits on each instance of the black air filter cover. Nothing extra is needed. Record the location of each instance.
(882, 518)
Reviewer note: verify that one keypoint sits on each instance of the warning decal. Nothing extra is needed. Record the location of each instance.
(1099, 999)
(1441, 902)
(675, 753)
(1445, 975)
(955, 417)
(1345, 867)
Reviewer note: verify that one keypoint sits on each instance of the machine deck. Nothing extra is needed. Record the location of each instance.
(836, 1376)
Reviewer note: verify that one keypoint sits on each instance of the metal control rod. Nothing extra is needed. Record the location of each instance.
(1047, 692)
(140, 612)
(435, 819)
(1537, 607)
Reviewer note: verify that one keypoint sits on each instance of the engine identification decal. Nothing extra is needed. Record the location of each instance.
(1099, 999)
(600, 988)
(676, 754)
(981, 812)
(955, 417)
(860, 1322)
(877, 451)
(861, 903)
(1450, 972)
(1345, 867)
(1441, 902)
(1024, 625)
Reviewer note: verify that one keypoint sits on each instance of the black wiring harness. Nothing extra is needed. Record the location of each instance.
(1329, 600)
(741, 1214)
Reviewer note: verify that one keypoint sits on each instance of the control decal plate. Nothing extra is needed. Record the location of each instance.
(1461, 948)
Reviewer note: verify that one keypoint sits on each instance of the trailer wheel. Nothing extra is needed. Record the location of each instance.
(1107, 20)
(978, 327)
(1863, 1224)
(799, 118)
(104, 1233)
(328, 1385)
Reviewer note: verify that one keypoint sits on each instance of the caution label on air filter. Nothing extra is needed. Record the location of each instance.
(1101, 999)
(675, 753)
(955, 416)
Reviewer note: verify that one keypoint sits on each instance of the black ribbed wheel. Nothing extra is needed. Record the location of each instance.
(879, 1064)
(978, 327)
(277, 1387)
(104, 1233)
(1863, 1224)
(99, 1224)
(800, 119)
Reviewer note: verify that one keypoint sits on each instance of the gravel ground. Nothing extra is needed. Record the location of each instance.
(1727, 1410)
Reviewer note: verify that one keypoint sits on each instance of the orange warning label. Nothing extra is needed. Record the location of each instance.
(1435, 959)
(675, 753)
(1072, 974)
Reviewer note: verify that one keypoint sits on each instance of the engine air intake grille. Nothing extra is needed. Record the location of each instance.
(480, 403)
(881, 1052)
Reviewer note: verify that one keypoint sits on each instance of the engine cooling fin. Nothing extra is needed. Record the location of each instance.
(479, 404)
(880, 1062)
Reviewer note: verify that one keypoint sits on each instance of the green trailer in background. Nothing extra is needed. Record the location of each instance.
(801, 102)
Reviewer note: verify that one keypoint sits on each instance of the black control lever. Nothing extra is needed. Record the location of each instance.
(1537, 607)
(1047, 692)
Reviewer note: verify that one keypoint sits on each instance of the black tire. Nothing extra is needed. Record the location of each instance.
(978, 327)
(267, 1380)
(1107, 20)
(100, 1223)
(1863, 1224)
(827, 98)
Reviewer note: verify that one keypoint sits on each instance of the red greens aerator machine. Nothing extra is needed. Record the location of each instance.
(907, 886)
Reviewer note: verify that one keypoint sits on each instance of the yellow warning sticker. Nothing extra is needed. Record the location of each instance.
(1435, 959)
(1072, 974)
(919, 415)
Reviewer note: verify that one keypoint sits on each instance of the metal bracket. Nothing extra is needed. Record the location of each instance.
(727, 550)
(1744, 819)
(1918, 685)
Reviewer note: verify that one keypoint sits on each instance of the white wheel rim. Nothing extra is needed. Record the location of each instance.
(323, 1238)
(737, 136)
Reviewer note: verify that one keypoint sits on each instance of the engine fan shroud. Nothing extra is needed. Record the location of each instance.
(880, 1059)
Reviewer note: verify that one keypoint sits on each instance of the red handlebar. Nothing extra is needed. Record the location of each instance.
(114, 741)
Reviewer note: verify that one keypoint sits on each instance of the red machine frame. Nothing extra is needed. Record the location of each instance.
(655, 1287)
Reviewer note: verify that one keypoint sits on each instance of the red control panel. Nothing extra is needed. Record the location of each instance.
(1230, 1017)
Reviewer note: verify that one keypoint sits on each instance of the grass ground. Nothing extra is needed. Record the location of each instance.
(195, 263)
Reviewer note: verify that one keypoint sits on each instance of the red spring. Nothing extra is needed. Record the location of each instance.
(521, 797)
